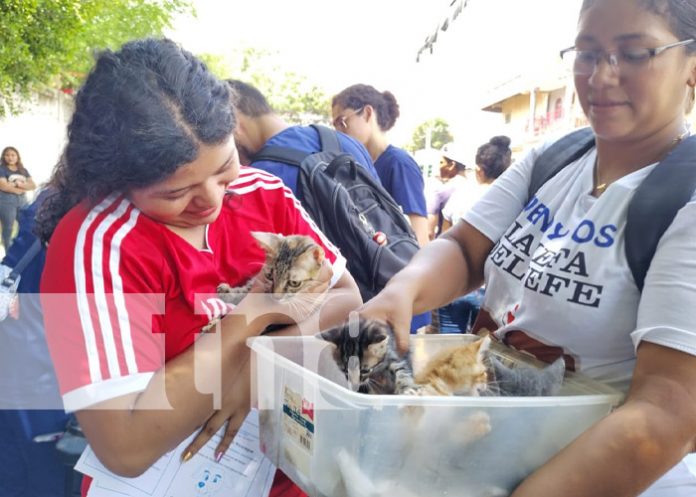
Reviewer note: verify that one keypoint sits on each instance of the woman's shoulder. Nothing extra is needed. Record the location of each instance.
(103, 224)
(255, 182)
(395, 156)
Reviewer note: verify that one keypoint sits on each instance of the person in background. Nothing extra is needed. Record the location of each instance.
(492, 159)
(258, 125)
(453, 176)
(551, 290)
(140, 238)
(15, 182)
(366, 114)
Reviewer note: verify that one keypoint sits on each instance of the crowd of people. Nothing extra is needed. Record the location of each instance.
(137, 238)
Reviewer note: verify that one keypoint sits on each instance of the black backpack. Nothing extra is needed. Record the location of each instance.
(352, 209)
(667, 188)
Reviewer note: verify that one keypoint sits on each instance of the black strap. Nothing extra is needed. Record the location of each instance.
(563, 152)
(22, 263)
(280, 154)
(655, 203)
(328, 139)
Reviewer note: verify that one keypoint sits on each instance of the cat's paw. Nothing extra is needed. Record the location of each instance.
(224, 288)
(211, 325)
(471, 428)
(480, 423)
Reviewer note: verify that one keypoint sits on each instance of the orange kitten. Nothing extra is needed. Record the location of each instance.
(456, 371)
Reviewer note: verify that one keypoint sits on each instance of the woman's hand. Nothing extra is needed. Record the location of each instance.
(236, 405)
(393, 305)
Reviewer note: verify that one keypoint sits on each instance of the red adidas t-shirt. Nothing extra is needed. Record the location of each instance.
(122, 293)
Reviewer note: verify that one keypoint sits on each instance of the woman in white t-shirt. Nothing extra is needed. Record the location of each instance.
(555, 269)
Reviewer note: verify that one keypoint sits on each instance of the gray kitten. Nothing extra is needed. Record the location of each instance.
(364, 351)
(526, 381)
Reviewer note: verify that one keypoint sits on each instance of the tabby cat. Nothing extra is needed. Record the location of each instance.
(459, 370)
(364, 351)
(292, 263)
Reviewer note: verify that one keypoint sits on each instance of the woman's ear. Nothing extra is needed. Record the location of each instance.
(368, 112)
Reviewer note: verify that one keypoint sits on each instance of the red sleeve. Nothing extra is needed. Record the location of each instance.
(99, 298)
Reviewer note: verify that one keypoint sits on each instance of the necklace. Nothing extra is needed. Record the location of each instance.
(600, 187)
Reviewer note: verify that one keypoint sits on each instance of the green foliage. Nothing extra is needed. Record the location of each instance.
(439, 134)
(50, 43)
(290, 94)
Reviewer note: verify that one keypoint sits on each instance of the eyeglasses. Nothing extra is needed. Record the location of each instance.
(622, 61)
(341, 122)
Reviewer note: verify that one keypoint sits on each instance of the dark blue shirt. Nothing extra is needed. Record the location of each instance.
(402, 178)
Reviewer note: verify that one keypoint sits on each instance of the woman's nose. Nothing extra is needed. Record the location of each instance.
(605, 72)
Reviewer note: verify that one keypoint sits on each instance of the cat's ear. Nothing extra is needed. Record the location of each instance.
(378, 347)
(318, 254)
(484, 345)
(332, 335)
(268, 241)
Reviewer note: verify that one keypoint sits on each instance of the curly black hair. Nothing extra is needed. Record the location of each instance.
(358, 96)
(142, 113)
(495, 156)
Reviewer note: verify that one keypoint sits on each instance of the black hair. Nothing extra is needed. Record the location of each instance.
(460, 167)
(358, 96)
(142, 113)
(680, 15)
(495, 156)
(20, 165)
(248, 100)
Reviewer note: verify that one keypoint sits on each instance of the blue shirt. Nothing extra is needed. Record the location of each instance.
(402, 178)
(306, 139)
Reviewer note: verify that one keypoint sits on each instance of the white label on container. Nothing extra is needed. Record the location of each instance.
(298, 427)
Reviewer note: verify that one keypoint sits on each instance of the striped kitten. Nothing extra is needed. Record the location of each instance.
(364, 351)
(292, 263)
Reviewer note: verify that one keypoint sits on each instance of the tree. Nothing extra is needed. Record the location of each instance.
(439, 135)
(290, 94)
(50, 43)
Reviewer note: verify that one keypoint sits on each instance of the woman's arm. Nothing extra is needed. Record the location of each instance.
(129, 433)
(28, 185)
(447, 267)
(8, 187)
(636, 444)
(420, 228)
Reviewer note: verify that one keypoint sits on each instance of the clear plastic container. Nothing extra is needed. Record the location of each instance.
(335, 442)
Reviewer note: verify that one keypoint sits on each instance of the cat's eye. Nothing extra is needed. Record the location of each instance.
(294, 284)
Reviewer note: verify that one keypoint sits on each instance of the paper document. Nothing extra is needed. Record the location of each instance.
(243, 471)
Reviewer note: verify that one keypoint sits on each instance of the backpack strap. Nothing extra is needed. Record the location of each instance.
(285, 155)
(563, 152)
(328, 139)
(655, 203)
